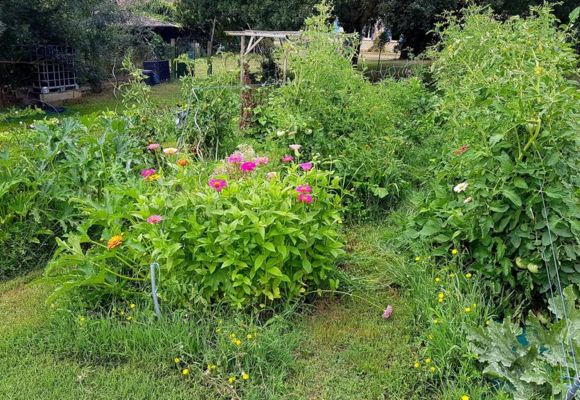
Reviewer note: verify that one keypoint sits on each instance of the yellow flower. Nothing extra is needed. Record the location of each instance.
(430, 337)
(231, 379)
(417, 364)
(177, 360)
(437, 280)
(454, 252)
(436, 321)
(132, 306)
(249, 336)
(467, 309)
(468, 275)
(211, 367)
(465, 397)
(441, 300)
(153, 177)
(427, 361)
(237, 342)
(417, 258)
(432, 369)
(129, 318)
(114, 241)
(232, 336)
(245, 376)
(440, 295)
(538, 70)
(473, 305)
(122, 312)
(185, 371)
(218, 330)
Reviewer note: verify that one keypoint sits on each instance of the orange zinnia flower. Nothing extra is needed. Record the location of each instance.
(114, 241)
(182, 162)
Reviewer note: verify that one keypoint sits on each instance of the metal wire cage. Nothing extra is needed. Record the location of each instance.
(55, 67)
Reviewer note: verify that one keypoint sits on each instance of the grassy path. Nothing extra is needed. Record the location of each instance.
(346, 350)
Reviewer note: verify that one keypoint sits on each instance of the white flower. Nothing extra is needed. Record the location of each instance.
(280, 133)
(170, 151)
(460, 187)
(468, 200)
(271, 175)
(295, 147)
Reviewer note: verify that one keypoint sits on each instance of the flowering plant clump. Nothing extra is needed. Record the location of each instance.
(271, 235)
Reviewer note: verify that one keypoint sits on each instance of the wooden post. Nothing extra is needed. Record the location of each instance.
(285, 63)
(242, 50)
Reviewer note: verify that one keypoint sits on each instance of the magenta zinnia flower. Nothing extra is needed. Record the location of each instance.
(146, 173)
(154, 219)
(236, 158)
(287, 159)
(248, 166)
(304, 189)
(217, 184)
(307, 166)
(261, 160)
(305, 198)
(153, 146)
(388, 311)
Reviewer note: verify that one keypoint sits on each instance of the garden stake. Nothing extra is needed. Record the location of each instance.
(573, 389)
(154, 289)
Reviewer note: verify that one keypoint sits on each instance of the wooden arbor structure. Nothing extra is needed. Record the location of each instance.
(255, 37)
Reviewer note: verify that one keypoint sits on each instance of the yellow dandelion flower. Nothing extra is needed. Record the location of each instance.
(465, 397)
(467, 309)
(185, 371)
(82, 319)
(440, 295)
(432, 370)
(437, 280)
(435, 321)
(427, 361)
(232, 336)
(417, 258)
(454, 252)
(441, 300)
(177, 360)
(468, 275)
(237, 342)
(245, 376)
(122, 313)
(231, 379)
(132, 306)
(249, 336)
(129, 318)
(538, 70)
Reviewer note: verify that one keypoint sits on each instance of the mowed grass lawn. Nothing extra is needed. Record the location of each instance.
(345, 350)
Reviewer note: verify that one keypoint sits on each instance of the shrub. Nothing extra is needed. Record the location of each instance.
(332, 110)
(246, 237)
(511, 139)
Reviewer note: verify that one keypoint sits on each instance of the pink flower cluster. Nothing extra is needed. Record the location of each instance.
(154, 219)
(304, 194)
(146, 173)
(217, 184)
(237, 158)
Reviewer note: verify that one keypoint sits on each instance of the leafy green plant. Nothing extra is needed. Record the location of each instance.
(506, 189)
(246, 237)
(532, 361)
(362, 129)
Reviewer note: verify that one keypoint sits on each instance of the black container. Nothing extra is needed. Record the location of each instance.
(160, 68)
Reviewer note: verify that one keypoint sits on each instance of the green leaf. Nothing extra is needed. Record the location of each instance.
(512, 196)
(275, 271)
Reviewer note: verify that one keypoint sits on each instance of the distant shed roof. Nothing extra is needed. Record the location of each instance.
(148, 22)
(269, 34)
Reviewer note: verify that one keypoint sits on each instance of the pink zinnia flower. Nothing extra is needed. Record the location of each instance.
(307, 166)
(271, 175)
(236, 158)
(217, 184)
(248, 166)
(305, 198)
(388, 311)
(287, 159)
(153, 146)
(146, 173)
(170, 151)
(154, 219)
(304, 189)
(261, 160)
